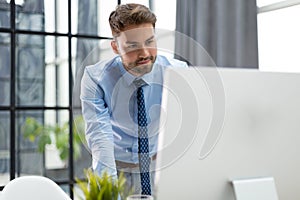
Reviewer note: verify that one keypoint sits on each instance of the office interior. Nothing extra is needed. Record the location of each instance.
(44, 45)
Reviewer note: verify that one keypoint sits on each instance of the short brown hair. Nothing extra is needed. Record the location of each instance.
(130, 14)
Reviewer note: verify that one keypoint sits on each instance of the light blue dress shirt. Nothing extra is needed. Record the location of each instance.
(108, 97)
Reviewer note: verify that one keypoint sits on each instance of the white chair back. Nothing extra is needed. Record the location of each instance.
(33, 188)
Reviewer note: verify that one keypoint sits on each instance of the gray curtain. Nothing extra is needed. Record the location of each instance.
(226, 29)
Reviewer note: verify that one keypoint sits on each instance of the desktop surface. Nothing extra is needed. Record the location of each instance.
(220, 125)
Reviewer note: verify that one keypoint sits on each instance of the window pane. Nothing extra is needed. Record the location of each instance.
(42, 15)
(4, 147)
(56, 16)
(26, 152)
(30, 15)
(57, 71)
(105, 9)
(88, 52)
(43, 139)
(4, 14)
(42, 71)
(159, 8)
(4, 69)
(261, 3)
(30, 72)
(144, 2)
(91, 17)
(57, 159)
(278, 40)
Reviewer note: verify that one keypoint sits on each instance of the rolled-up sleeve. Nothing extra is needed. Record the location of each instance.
(99, 134)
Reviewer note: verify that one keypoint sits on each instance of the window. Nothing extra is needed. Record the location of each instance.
(278, 35)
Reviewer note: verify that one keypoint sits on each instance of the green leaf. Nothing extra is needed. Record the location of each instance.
(31, 129)
(62, 140)
(102, 188)
(44, 139)
(64, 153)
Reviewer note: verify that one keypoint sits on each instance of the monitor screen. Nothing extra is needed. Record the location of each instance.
(220, 124)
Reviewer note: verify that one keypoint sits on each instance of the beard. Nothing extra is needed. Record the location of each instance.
(141, 66)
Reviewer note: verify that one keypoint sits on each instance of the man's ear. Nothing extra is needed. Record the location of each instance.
(114, 46)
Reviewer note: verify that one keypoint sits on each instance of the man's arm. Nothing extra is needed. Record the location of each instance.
(98, 132)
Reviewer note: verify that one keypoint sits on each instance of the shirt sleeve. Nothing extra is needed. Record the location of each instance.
(98, 128)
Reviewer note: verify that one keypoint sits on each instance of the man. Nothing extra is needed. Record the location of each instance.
(121, 99)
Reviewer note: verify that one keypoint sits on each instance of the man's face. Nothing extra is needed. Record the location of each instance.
(137, 48)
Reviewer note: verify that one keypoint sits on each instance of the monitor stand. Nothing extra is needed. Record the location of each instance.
(261, 188)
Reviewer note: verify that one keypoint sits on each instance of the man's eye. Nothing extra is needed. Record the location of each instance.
(132, 46)
(149, 42)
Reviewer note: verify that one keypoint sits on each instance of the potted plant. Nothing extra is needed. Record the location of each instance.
(102, 188)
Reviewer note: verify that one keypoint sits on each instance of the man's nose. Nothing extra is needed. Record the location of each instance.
(143, 51)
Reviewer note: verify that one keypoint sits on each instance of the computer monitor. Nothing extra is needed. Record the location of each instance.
(221, 124)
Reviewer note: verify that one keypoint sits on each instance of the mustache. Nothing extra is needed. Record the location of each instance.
(146, 58)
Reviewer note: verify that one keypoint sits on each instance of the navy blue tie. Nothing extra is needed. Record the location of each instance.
(144, 159)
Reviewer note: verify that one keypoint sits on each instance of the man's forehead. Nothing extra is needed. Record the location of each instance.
(137, 34)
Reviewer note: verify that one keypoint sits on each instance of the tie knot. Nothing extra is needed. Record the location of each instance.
(139, 83)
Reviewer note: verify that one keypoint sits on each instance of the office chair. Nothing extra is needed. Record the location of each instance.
(33, 188)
